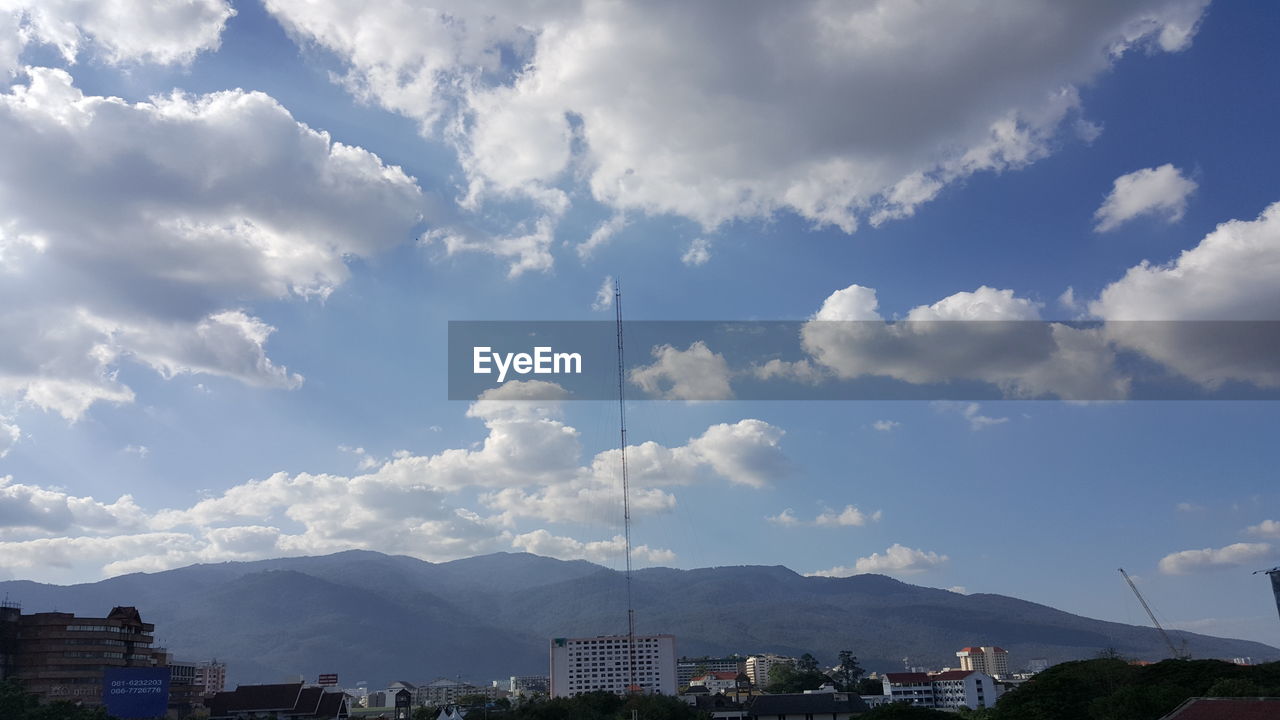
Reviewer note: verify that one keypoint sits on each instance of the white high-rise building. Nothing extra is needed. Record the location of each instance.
(581, 665)
(758, 667)
(993, 661)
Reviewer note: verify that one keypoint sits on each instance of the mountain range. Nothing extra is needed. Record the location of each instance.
(379, 618)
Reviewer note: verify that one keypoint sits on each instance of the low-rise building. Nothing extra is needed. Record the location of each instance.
(284, 701)
(444, 691)
(687, 668)
(725, 682)
(915, 688)
(807, 706)
(527, 685)
(718, 707)
(947, 689)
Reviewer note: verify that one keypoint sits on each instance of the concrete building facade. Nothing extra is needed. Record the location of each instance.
(581, 665)
(527, 685)
(993, 661)
(949, 689)
(686, 668)
(757, 667)
(59, 656)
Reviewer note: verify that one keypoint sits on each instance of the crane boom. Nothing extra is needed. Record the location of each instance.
(1274, 574)
(1173, 650)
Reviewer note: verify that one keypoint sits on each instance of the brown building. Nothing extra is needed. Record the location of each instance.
(59, 656)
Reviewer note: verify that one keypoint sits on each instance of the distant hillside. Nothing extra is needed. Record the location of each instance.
(375, 617)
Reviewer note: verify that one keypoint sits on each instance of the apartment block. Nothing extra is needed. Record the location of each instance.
(993, 661)
(686, 668)
(526, 685)
(758, 666)
(581, 665)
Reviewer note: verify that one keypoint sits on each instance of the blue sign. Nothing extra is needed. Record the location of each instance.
(136, 693)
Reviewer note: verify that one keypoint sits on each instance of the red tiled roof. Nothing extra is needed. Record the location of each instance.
(953, 674)
(906, 678)
(1226, 709)
(971, 649)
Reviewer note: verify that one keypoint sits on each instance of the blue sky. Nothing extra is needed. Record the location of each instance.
(224, 332)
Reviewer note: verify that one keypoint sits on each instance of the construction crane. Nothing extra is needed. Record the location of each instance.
(1274, 573)
(1174, 652)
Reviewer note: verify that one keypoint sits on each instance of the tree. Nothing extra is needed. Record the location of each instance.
(847, 672)
(18, 704)
(1110, 689)
(787, 678)
(472, 700)
(1236, 687)
(870, 686)
(423, 712)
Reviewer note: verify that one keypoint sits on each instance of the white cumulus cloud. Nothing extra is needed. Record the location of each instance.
(988, 335)
(1159, 191)
(1266, 528)
(10, 434)
(699, 252)
(604, 295)
(541, 542)
(697, 373)
(141, 230)
(834, 111)
(1179, 313)
(117, 32)
(1235, 555)
(528, 470)
(849, 516)
(896, 560)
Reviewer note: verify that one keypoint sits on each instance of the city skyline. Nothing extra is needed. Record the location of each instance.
(232, 237)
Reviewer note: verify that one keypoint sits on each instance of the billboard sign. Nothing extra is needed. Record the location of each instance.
(329, 679)
(136, 693)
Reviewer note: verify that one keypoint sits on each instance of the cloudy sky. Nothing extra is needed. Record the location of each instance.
(232, 236)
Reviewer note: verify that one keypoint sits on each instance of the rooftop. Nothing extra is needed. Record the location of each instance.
(806, 703)
(1200, 708)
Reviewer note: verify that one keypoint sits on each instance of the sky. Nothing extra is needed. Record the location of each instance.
(233, 235)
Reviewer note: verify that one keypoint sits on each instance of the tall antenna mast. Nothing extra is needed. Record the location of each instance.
(626, 490)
